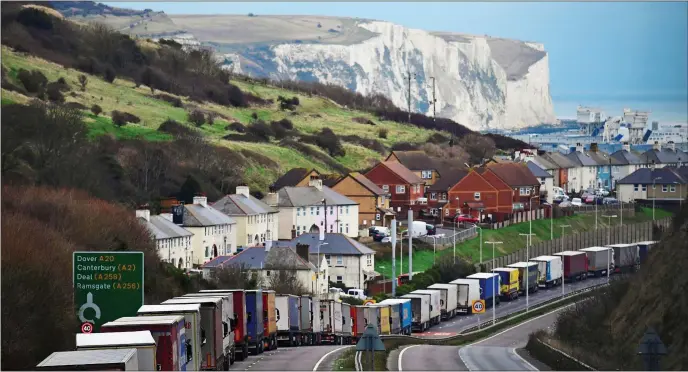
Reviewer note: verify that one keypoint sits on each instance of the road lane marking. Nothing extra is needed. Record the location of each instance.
(401, 354)
(328, 354)
(532, 367)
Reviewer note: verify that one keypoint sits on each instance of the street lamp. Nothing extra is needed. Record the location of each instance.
(563, 291)
(654, 195)
(527, 268)
(609, 228)
(454, 223)
(494, 294)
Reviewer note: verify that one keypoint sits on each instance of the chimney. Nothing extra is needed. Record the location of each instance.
(302, 250)
(272, 198)
(167, 216)
(593, 147)
(656, 146)
(316, 182)
(672, 146)
(143, 213)
(242, 190)
(626, 147)
(201, 199)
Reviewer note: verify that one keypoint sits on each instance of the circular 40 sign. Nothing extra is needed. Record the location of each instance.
(478, 307)
(86, 327)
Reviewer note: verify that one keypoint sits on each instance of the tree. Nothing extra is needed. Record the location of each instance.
(83, 80)
(286, 282)
(382, 133)
(196, 117)
(235, 277)
(96, 110)
(478, 147)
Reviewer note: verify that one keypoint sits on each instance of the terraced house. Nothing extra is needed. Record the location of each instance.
(524, 187)
(311, 209)
(173, 242)
(437, 194)
(214, 233)
(406, 188)
(373, 202)
(256, 222)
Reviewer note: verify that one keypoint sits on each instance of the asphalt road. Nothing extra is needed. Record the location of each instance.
(463, 322)
(302, 358)
(496, 353)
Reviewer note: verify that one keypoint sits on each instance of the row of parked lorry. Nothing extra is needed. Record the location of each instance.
(211, 329)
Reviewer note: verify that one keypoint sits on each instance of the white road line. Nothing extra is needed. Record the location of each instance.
(326, 355)
(532, 367)
(358, 363)
(401, 354)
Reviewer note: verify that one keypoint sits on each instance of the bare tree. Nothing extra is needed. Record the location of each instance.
(236, 277)
(478, 147)
(286, 282)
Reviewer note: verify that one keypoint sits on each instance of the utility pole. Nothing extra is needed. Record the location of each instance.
(410, 243)
(563, 238)
(434, 100)
(393, 233)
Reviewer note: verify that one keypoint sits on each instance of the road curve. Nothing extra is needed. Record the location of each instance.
(302, 358)
(430, 358)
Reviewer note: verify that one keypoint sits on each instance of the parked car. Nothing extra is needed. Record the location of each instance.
(378, 236)
(590, 199)
(577, 202)
(386, 239)
(565, 204)
(609, 201)
(356, 293)
(466, 218)
(602, 191)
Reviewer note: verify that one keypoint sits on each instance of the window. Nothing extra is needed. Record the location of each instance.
(385, 188)
(446, 212)
(207, 251)
(426, 174)
(382, 200)
(476, 196)
(433, 196)
(672, 188)
(401, 189)
(267, 273)
(635, 187)
(341, 229)
(331, 210)
(644, 188)
(654, 187)
(327, 257)
(542, 180)
(416, 188)
(369, 259)
(340, 260)
(664, 188)
(347, 228)
(317, 211)
(340, 279)
(331, 228)
(524, 191)
(347, 210)
(312, 211)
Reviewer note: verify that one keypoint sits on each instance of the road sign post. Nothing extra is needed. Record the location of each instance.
(370, 341)
(107, 286)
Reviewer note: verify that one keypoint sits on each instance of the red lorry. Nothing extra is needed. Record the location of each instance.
(575, 265)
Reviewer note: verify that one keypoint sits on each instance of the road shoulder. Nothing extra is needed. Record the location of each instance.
(523, 353)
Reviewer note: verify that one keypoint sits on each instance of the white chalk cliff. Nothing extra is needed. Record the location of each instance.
(481, 82)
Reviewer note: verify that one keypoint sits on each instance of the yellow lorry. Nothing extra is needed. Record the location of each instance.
(509, 282)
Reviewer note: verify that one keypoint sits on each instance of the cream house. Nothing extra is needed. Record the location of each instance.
(310, 209)
(173, 242)
(348, 261)
(256, 222)
(214, 233)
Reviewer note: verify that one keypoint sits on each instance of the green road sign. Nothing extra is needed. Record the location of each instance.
(107, 286)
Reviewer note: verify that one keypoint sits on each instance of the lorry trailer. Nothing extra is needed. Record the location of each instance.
(508, 276)
(469, 291)
(600, 260)
(435, 307)
(529, 281)
(625, 257)
(489, 287)
(347, 323)
(254, 320)
(644, 249)
(361, 316)
(420, 311)
(384, 319)
(91, 360)
(332, 321)
(270, 320)
(216, 330)
(550, 272)
(142, 341)
(575, 265)
(448, 301)
(288, 320)
(401, 315)
(240, 319)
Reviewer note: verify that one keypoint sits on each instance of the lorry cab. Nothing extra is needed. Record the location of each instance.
(194, 334)
(169, 332)
(91, 360)
(142, 341)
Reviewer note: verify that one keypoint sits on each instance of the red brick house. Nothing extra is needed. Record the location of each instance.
(438, 193)
(521, 180)
(405, 187)
(476, 196)
(505, 194)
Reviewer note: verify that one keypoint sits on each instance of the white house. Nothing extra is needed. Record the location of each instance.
(628, 162)
(173, 242)
(214, 233)
(313, 208)
(256, 222)
(349, 261)
(584, 175)
(545, 178)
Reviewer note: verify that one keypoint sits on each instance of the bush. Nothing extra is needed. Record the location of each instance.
(83, 81)
(33, 17)
(121, 118)
(363, 120)
(109, 74)
(175, 101)
(196, 117)
(236, 96)
(254, 115)
(96, 110)
(53, 93)
(75, 106)
(278, 130)
(288, 103)
(329, 141)
(261, 130)
(177, 129)
(237, 127)
(382, 133)
(34, 81)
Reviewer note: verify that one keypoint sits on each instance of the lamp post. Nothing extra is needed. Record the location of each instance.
(609, 222)
(654, 195)
(494, 293)
(455, 221)
(527, 269)
(563, 291)
(481, 242)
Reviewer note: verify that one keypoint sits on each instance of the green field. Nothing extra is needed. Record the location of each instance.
(512, 241)
(310, 117)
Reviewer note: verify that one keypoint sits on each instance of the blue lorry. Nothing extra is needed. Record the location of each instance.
(254, 321)
(489, 287)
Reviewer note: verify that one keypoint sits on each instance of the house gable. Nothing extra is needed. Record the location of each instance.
(392, 157)
(382, 175)
(473, 181)
(306, 179)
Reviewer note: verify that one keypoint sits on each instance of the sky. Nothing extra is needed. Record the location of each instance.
(607, 54)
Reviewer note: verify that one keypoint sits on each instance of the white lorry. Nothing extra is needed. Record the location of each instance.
(420, 311)
(448, 301)
(142, 341)
(469, 291)
(550, 270)
(435, 307)
(91, 360)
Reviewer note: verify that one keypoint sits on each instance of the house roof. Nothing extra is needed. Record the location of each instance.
(664, 156)
(367, 183)
(514, 174)
(537, 171)
(278, 257)
(400, 170)
(414, 160)
(544, 163)
(310, 195)
(196, 215)
(602, 158)
(337, 244)
(559, 160)
(645, 176)
(331, 179)
(241, 205)
(628, 157)
(448, 179)
(162, 228)
(291, 178)
(581, 159)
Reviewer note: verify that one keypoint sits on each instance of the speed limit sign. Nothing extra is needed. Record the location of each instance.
(86, 327)
(478, 306)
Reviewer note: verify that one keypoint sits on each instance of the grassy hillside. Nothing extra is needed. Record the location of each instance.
(512, 241)
(310, 117)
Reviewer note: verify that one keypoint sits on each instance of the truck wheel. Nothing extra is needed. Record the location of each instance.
(245, 351)
(226, 364)
(232, 356)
